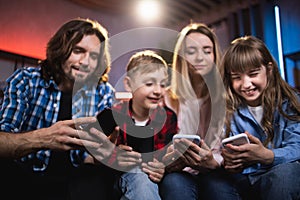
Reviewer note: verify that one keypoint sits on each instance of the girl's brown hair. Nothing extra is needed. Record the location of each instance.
(247, 53)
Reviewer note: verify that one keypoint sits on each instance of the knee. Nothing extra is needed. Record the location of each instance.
(178, 186)
(176, 180)
(136, 179)
(282, 180)
(284, 174)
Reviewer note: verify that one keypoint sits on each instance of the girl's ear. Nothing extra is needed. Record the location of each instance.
(270, 68)
(127, 84)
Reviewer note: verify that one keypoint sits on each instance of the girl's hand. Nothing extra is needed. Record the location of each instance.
(127, 158)
(155, 170)
(239, 157)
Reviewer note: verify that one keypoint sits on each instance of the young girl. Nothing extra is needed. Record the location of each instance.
(262, 105)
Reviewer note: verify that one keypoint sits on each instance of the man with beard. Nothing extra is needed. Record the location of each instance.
(42, 111)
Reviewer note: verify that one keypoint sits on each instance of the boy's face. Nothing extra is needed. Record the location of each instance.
(250, 85)
(84, 59)
(148, 89)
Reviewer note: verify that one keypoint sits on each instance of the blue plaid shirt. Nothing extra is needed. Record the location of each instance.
(32, 103)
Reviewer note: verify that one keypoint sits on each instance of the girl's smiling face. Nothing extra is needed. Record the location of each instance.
(250, 84)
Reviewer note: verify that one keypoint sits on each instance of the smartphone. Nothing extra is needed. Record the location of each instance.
(105, 122)
(194, 138)
(239, 139)
(141, 139)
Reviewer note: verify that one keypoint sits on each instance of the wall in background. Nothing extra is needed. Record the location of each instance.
(26, 27)
(259, 20)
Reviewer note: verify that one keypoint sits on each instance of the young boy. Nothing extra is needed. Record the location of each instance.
(145, 127)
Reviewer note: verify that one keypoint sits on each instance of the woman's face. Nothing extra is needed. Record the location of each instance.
(199, 53)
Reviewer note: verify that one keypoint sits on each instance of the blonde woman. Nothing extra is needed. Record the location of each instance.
(196, 95)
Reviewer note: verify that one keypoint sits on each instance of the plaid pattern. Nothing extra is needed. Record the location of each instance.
(163, 120)
(32, 103)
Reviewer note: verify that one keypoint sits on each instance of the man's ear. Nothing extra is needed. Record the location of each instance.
(127, 84)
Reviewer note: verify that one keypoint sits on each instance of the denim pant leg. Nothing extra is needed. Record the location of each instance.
(218, 184)
(279, 182)
(136, 185)
(178, 186)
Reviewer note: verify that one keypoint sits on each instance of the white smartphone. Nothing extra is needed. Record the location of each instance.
(194, 138)
(239, 139)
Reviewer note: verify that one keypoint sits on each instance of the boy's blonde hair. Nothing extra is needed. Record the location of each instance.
(139, 61)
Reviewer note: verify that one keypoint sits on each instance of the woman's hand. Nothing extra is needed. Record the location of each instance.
(197, 157)
(173, 160)
(155, 170)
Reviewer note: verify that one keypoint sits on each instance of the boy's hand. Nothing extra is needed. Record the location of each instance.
(127, 158)
(155, 170)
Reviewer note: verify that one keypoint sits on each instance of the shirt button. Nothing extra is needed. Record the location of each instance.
(55, 105)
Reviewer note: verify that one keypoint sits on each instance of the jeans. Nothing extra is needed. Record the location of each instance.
(178, 186)
(135, 184)
(184, 186)
(279, 182)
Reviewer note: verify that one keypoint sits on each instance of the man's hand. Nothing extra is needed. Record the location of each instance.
(99, 145)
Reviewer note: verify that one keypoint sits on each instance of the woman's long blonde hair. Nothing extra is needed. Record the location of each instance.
(211, 84)
(180, 82)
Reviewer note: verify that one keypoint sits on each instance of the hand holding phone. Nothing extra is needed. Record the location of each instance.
(194, 138)
(237, 140)
(105, 122)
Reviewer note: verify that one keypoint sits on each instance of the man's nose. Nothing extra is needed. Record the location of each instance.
(84, 60)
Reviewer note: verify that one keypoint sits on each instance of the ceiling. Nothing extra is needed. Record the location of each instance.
(174, 11)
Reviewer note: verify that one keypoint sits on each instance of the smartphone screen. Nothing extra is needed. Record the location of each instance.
(105, 122)
(141, 139)
(194, 138)
(236, 140)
